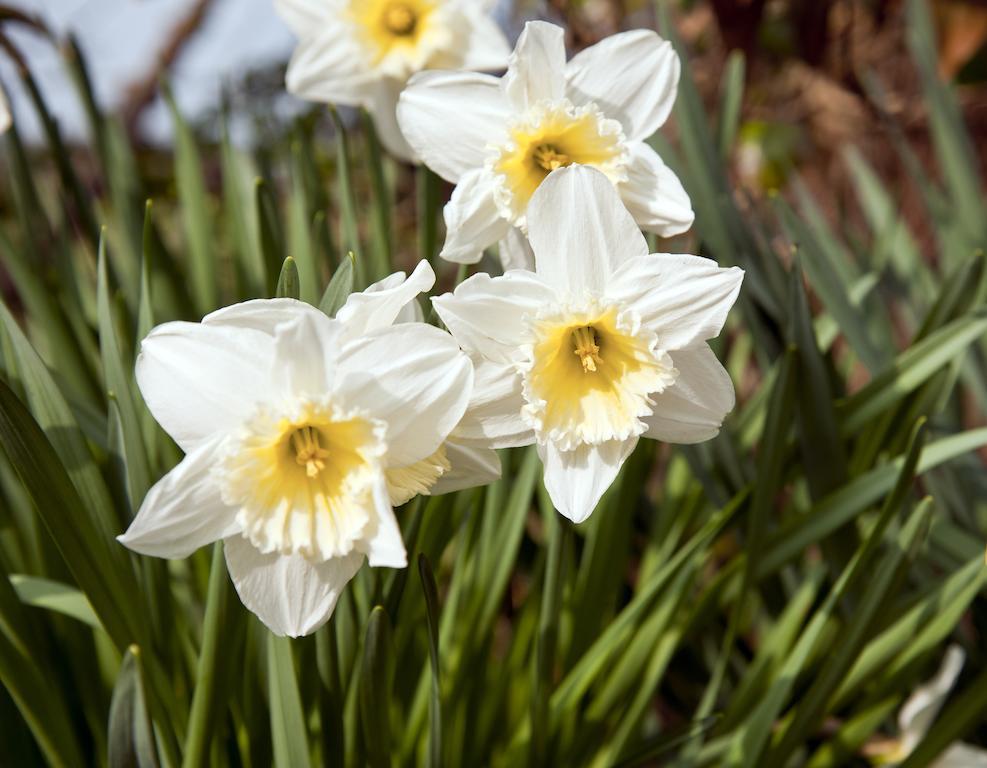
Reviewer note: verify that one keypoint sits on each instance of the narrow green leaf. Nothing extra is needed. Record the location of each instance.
(770, 464)
(220, 627)
(288, 734)
(751, 737)
(340, 287)
(376, 673)
(288, 287)
(431, 592)
(823, 453)
(54, 415)
(195, 208)
(269, 232)
(79, 210)
(241, 217)
(121, 389)
(911, 368)
(547, 641)
(331, 695)
(811, 707)
(99, 567)
(731, 98)
(131, 740)
(350, 239)
(381, 204)
(54, 596)
(35, 693)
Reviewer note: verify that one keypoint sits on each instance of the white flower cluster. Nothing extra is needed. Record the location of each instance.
(302, 432)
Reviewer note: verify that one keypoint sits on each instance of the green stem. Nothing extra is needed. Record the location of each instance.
(330, 696)
(427, 188)
(208, 674)
(548, 630)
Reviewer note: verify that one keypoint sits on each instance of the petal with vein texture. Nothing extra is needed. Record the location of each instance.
(684, 299)
(693, 408)
(488, 315)
(473, 220)
(328, 66)
(632, 76)
(654, 195)
(515, 251)
(380, 305)
(486, 48)
(385, 546)
(411, 376)
(580, 231)
(183, 510)
(577, 479)
(493, 418)
(449, 118)
(305, 350)
(200, 380)
(293, 596)
(471, 467)
(536, 70)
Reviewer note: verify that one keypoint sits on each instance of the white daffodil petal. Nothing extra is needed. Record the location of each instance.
(413, 377)
(493, 418)
(577, 479)
(536, 70)
(305, 349)
(473, 220)
(328, 66)
(201, 380)
(654, 195)
(515, 251)
(633, 76)
(920, 710)
(263, 315)
(380, 305)
(961, 756)
(385, 548)
(580, 231)
(488, 315)
(304, 17)
(471, 467)
(449, 118)
(486, 48)
(383, 107)
(693, 408)
(183, 510)
(683, 299)
(292, 595)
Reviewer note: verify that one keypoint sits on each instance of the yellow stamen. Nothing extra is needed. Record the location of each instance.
(399, 19)
(549, 157)
(309, 452)
(585, 347)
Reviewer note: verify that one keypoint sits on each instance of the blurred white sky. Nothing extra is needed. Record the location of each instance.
(122, 39)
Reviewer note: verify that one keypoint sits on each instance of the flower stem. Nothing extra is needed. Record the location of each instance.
(548, 629)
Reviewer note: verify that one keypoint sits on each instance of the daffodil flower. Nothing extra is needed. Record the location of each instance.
(362, 52)
(293, 425)
(602, 344)
(497, 139)
(918, 714)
